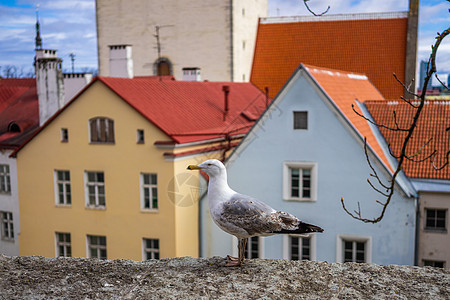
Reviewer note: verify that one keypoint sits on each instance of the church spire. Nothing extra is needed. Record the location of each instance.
(38, 34)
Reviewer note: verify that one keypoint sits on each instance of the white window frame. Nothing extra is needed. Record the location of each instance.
(97, 247)
(287, 245)
(260, 246)
(287, 166)
(354, 238)
(7, 223)
(64, 183)
(153, 251)
(65, 244)
(96, 184)
(5, 178)
(150, 186)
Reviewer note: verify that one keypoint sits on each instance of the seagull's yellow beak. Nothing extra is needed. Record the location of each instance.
(194, 167)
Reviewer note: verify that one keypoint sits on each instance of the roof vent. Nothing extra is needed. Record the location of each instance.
(226, 91)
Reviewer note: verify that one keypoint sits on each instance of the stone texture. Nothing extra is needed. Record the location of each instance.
(189, 278)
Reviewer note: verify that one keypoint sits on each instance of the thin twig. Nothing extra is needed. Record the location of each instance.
(315, 14)
(431, 69)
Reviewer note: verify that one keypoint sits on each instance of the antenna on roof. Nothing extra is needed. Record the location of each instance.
(38, 40)
(158, 46)
(72, 58)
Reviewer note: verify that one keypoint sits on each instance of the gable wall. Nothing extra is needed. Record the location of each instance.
(256, 169)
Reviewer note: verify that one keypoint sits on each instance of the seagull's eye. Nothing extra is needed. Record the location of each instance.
(209, 164)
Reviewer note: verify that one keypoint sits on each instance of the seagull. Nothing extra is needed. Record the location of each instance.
(244, 216)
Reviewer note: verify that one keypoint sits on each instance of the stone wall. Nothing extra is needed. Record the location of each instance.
(189, 278)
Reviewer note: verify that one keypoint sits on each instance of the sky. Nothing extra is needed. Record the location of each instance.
(69, 27)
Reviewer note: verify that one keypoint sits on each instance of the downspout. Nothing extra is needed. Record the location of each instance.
(417, 232)
(231, 43)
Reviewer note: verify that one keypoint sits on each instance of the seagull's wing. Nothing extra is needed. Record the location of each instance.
(255, 217)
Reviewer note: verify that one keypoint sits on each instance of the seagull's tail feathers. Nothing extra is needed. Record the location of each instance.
(302, 228)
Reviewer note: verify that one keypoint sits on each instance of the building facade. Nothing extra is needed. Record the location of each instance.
(106, 176)
(218, 37)
(304, 154)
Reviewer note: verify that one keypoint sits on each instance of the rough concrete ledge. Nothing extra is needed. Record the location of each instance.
(189, 278)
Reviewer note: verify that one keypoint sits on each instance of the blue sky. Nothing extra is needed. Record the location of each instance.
(69, 26)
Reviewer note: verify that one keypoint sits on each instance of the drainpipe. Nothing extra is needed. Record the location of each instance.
(231, 43)
(417, 233)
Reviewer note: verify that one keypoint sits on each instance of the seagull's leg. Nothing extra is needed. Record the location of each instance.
(244, 245)
(234, 261)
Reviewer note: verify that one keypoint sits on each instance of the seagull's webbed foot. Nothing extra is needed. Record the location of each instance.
(233, 261)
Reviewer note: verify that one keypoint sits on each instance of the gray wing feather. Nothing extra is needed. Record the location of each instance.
(253, 216)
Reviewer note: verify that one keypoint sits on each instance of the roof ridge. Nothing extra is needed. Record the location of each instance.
(336, 17)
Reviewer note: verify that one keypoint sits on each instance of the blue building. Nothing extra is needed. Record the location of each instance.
(303, 154)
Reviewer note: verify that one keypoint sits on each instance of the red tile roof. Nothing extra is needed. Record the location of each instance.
(186, 111)
(190, 111)
(18, 105)
(434, 124)
(345, 89)
(375, 46)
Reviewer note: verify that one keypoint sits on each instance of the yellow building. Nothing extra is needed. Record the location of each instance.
(105, 176)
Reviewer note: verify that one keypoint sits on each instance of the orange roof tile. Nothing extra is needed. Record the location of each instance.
(375, 46)
(346, 89)
(434, 124)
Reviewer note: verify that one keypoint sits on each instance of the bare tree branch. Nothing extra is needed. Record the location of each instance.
(431, 69)
(315, 14)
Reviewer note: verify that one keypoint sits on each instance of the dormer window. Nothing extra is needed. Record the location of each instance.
(101, 130)
(13, 127)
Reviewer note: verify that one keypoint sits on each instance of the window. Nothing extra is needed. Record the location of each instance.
(7, 226)
(435, 219)
(252, 249)
(149, 191)
(300, 181)
(352, 248)
(95, 189)
(162, 67)
(64, 135)
(101, 130)
(63, 190)
(433, 263)
(151, 248)
(140, 136)
(300, 120)
(63, 245)
(300, 248)
(96, 246)
(5, 180)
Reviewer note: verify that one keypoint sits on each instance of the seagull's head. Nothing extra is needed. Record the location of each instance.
(212, 167)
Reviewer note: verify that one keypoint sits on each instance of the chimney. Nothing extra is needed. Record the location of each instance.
(74, 83)
(49, 83)
(120, 61)
(226, 91)
(411, 47)
(191, 74)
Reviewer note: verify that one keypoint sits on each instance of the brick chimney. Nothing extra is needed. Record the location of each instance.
(120, 61)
